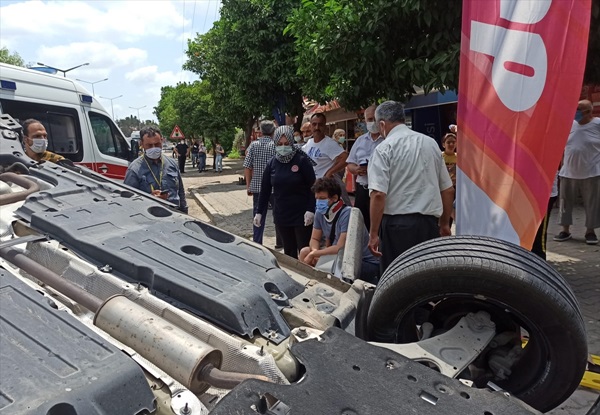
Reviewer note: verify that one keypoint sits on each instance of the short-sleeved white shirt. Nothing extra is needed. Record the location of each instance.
(582, 152)
(407, 167)
(361, 152)
(323, 153)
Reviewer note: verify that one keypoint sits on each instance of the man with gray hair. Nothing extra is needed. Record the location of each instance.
(258, 155)
(358, 160)
(410, 188)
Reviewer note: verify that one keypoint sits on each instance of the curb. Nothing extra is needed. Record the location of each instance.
(210, 211)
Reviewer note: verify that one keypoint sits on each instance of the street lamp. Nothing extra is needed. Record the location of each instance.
(111, 104)
(138, 110)
(92, 83)
(64, 71)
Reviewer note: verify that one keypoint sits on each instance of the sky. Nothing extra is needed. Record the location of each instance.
(138, 45)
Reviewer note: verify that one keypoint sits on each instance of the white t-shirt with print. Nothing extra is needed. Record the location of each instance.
(323, 153)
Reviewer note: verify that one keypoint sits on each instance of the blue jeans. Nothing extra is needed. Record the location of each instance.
(219, 163)
(201, 161)
(257, 234)
(194, 159)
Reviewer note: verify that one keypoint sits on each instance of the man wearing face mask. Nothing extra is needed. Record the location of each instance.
(35, 142)
(411, 190)
(358, 160)
(182, 151)
(154, 173)
(306, 132)
(332, 217)
(580, 173)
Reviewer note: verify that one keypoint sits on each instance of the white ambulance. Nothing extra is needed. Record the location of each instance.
(78, 127)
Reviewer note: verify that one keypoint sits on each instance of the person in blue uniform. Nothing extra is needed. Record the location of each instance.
(155, 174)
(289, 176)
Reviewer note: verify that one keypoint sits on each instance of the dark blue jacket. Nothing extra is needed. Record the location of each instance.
(291, 184)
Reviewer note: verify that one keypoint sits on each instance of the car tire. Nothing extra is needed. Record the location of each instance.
(464, 274)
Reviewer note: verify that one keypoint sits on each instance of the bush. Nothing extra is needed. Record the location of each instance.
(234, 154)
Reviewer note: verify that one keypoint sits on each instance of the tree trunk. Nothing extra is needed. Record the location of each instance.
(248, 129)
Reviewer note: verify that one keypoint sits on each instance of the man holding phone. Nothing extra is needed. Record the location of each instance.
(155, 174)
(358, 160)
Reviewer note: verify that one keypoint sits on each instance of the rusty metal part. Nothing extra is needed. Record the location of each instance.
(63, 286)
(175, 351)
(20, 180)
(226, 380)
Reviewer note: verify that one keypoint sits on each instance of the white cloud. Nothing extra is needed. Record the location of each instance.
(110, 20)
(103, 57)
(151, 75)
(150, 80)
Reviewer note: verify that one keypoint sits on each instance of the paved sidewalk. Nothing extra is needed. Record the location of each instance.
(225, 203)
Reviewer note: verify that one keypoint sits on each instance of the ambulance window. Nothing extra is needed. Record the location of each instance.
(109, 139)
(61, 124)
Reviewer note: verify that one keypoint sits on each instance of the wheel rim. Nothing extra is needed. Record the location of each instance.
(445, 311)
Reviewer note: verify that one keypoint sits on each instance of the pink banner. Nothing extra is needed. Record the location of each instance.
(521, 73)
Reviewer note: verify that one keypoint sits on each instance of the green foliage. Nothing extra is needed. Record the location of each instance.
(192, 108)
(11, 58)
(234, 154)
(359, 51)
(132, 123)
(248, 60)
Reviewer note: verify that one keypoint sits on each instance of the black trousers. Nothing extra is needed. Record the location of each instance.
(362, 201)
(294, 238)
(539, 243)
(398, 233)
(181, 160)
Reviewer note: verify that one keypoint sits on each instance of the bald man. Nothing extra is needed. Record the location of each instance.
(580, 173)
(306, 131)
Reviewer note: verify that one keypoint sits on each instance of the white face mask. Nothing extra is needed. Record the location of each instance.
(39, 145)
(153, 153)
(373, 127)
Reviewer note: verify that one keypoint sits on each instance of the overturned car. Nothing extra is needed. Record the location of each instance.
(113, 302)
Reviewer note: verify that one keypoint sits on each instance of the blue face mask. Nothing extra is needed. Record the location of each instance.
(578, 115)
(322, 206)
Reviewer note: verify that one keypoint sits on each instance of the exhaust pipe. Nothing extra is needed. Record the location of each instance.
(185, 358)
(178, 353)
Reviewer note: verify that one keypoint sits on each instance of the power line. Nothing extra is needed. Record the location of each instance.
(217, 10)
(193, 17)
(206, 15)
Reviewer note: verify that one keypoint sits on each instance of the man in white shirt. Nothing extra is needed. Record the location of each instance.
(328, 155)
(580, 173)
(358, 161)
(411, 190)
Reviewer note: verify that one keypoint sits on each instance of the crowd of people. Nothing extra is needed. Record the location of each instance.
(405, 186)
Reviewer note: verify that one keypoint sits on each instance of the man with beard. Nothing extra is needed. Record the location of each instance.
(328, 155)
(155, 174)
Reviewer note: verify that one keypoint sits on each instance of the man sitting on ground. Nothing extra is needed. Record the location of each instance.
(332, 217)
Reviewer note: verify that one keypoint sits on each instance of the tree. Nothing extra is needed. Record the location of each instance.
(359, 51)
(193, 109)
(132, 123)
(10, 58)
(249, 62)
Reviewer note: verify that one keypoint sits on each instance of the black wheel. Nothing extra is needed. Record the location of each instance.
(443, 279)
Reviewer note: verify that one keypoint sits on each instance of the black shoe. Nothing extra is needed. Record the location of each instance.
(562, 236)
(591, 238)
(278, 246)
